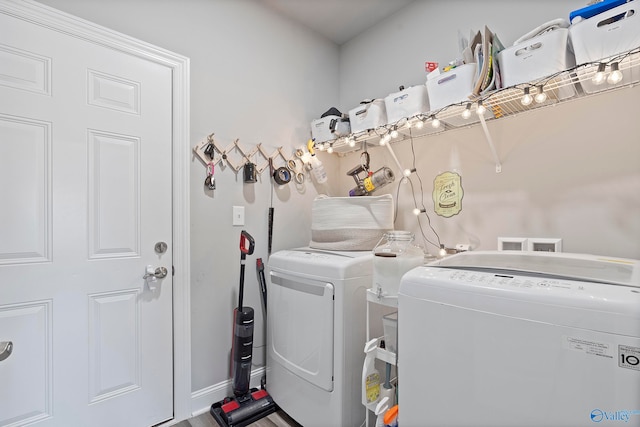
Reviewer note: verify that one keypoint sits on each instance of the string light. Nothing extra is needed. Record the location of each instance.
(330, 149)
(435, 123)
(351, 142)
(394, 134)
(420, 124)
(443, 251)
(599, 76)
(418, 211)
(467, 111)
(408, 172)
(481, 108)
(540, 96)
(527, 99)
(616, 75)
(385, 139)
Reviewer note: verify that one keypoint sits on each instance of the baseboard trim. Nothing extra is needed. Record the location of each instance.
(201, 400)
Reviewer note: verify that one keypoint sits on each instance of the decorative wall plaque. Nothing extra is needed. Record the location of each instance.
(447, 194)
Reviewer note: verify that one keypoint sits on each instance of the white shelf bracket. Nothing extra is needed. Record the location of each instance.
(490, 142)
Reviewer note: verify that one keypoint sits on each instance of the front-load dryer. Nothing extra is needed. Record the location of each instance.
(520, 339)
(316, 314)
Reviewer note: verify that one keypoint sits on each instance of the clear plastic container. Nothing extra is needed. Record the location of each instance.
(394, 255)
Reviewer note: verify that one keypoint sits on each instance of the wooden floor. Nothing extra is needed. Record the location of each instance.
(277, 419)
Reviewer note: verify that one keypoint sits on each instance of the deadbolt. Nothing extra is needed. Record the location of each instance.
(160, 247)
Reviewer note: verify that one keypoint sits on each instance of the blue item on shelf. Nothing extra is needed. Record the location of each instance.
(595, 9)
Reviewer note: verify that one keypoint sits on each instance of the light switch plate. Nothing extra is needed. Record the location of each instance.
(238, 215)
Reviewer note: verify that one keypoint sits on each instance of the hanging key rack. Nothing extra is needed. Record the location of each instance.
(211, 154)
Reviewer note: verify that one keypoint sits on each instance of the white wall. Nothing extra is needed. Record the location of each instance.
(571, 171)
(254, 76)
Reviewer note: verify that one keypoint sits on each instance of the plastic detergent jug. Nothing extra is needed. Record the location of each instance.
(394, 255)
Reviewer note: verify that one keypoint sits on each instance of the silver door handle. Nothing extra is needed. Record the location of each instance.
(158, 273)
(6, 347)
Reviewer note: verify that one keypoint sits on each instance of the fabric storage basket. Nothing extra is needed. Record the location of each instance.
(452, 86)
(368, 115)
(350, 223)
(605, 36)
(406, 103)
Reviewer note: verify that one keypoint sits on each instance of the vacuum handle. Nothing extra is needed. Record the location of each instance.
(244, 238)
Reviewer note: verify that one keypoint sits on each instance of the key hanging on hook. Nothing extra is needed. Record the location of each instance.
(210, 181)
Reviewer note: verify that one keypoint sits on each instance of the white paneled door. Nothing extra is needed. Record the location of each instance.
(85, 196)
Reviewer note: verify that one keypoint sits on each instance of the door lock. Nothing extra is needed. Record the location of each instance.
(153, 274)
(160, 247)
(6, 347)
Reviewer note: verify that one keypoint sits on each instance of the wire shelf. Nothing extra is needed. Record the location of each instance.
(565, 85)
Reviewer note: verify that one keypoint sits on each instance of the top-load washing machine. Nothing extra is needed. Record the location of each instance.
(316, 334)
(520, 339)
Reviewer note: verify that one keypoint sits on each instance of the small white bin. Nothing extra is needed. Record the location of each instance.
(406, 103)
(368, 115)
(609, 33)
(539, 57)
(390, 328)
(535, 58)
(329, 128)
(605, 36)
(451, 87)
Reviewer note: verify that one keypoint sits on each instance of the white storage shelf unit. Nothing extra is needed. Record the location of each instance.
(388, 304)
(388, 301)
(574, 83)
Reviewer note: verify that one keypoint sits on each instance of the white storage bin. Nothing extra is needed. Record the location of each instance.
(406, 103)
(321, 129)
(451, 87)
(536, 57)
(609, 33)
(368, 116)
(604, 36)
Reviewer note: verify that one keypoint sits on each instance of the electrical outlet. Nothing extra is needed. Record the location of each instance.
(238, 215)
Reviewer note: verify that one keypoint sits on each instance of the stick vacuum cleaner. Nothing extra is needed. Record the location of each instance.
(247, 405)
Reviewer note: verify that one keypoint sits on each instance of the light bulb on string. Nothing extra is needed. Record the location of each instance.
(351, 142)
(527, 99)
(330, 149)
(394, 133)
(481, 108)
(541, 96)
(420, 124)
(443, 251)
(599, 76)
(418, 211)
(435, 123)
(467, 111)
(615, 76)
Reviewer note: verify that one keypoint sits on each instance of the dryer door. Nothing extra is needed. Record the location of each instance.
(300, 319)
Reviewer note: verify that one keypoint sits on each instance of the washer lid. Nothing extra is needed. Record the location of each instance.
(326, 264)
(592, 268)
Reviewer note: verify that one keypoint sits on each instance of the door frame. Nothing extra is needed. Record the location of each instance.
(56, 20)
